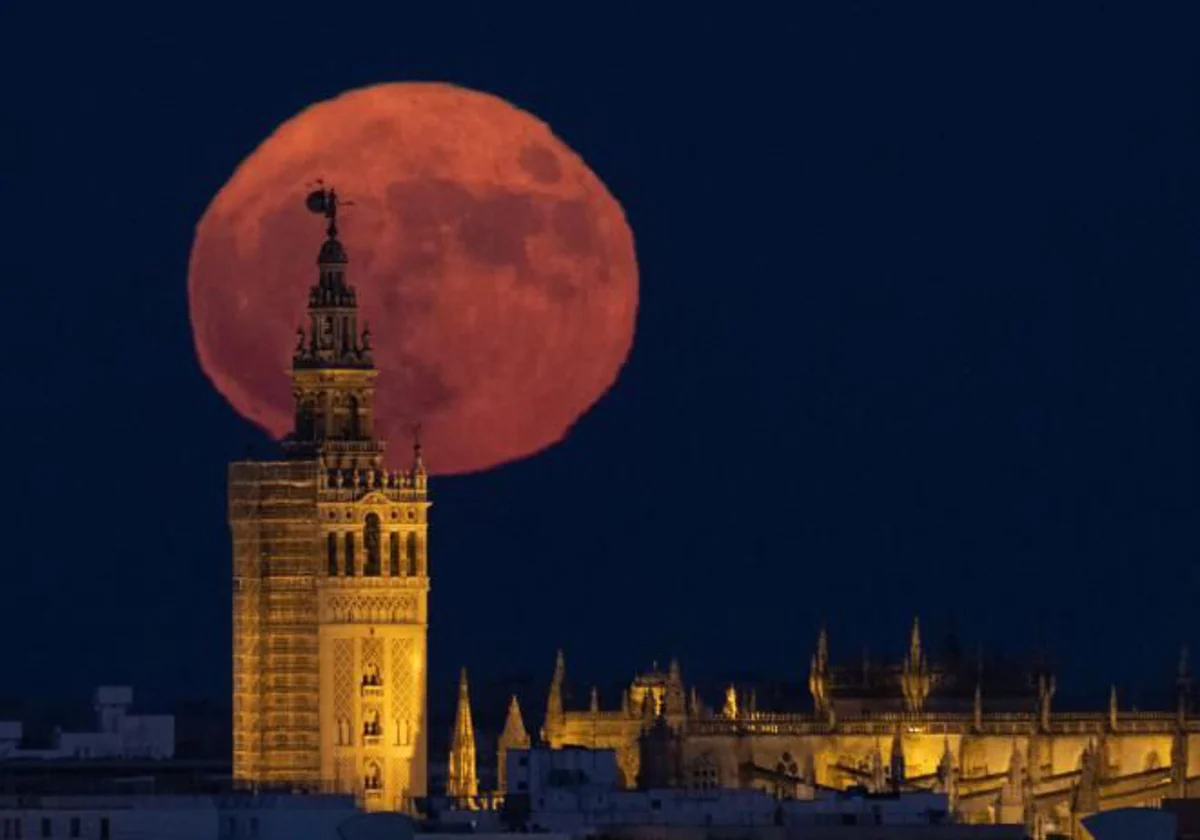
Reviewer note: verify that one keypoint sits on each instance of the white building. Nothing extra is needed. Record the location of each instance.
(230, 817)
(576, 791)
(118, 733)
(542, 772)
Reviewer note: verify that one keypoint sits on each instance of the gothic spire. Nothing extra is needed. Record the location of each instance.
(513, 737)
(514, 725)
(730, 709)
(896, 759)
(915, 680)
(914, 641)
(554, 701)
(462, 782)
(818, 673)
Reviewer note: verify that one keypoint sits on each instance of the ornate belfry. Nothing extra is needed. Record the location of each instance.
(991, 739)
(331, 576)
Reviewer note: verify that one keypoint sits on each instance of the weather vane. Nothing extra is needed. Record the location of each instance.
(326, 202)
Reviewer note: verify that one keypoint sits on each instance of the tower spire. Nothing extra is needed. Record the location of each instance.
(818, 673)
(462, 782)
(333, 371)
(915, 680)
(513, 737)
(554, 701)
(419, 473)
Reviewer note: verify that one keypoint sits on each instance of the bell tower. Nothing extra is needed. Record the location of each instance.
(333, 372)
(331, 576)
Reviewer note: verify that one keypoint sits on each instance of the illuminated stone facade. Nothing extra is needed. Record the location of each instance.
(988, 736)
(331, 578)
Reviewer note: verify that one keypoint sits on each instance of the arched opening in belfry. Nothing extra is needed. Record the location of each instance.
(349, 555)
(353, 425)
(373, 544)
(412, 553)
(306, 421)
(394, 554)
(331, 545)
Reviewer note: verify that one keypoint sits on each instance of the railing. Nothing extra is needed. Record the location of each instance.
(416, 583)
(769, 723)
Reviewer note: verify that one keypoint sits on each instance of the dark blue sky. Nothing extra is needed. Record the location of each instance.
(917, 335)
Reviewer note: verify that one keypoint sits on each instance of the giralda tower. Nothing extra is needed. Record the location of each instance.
(330, 577)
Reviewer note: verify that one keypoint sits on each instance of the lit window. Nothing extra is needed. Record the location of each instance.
(373, 542)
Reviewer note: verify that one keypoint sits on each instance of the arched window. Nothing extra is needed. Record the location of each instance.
(352, 425)
(394, 554)
(305, 422)
(374, 779)
(332, 546)
(412, 553)
(349, 555)
(372, 543)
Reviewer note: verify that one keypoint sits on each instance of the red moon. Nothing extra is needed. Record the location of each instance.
(495, 270)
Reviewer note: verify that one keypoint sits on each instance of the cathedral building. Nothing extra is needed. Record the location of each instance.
(989, 737)
(330, 577)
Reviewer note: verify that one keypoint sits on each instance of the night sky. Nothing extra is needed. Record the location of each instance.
(917, 335)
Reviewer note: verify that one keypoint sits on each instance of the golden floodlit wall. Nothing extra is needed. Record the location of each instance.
(273, 517)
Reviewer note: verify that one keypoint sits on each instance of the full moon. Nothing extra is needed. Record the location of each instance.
(496, 272)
